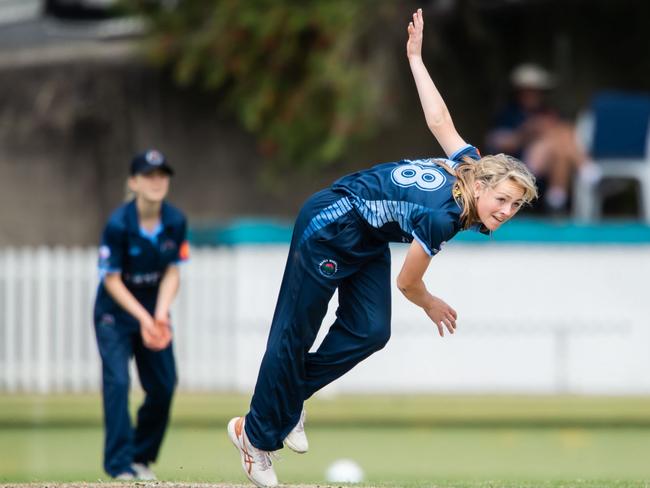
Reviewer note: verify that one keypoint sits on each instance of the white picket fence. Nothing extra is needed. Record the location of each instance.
(541, 319)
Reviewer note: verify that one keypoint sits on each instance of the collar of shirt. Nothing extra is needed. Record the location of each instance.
(132, 221)
(481, 229)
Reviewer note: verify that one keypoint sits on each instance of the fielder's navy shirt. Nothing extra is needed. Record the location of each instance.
(140, 257)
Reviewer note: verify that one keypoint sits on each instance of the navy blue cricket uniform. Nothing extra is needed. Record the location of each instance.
(340, 240)
(142, 258)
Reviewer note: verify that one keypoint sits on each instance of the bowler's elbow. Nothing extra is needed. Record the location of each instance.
(405, 285)
(439, 120)
(435, 123)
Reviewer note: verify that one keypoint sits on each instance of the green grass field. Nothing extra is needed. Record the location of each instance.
(460, 441)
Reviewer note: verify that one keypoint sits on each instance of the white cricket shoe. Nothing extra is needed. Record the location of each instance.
(125, 476)
(297, 439)
(143, 472)
(256, 463)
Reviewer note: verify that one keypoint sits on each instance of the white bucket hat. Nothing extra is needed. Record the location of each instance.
(531, 75)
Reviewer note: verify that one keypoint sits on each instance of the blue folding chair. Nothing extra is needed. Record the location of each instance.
(615, 130)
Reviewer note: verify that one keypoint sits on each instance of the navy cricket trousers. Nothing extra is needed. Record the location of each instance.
(118, 342)
(332, 247)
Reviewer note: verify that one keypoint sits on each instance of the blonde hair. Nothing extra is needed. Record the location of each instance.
(128, 193)
(490, 171)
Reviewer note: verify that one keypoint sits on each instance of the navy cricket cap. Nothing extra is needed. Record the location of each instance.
(149, 161)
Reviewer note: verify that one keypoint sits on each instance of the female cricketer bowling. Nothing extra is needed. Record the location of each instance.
(142, 244)
(340, 241)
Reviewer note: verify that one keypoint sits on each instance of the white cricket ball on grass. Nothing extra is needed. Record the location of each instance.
(344, 471)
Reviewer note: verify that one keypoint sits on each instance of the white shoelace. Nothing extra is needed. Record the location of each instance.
(265, 458)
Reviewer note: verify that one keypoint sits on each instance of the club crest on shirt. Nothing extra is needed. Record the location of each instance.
(168, 245)
(107, 319)
(328, 267)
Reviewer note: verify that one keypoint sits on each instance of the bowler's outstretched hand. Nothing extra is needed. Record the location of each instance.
(415, 29)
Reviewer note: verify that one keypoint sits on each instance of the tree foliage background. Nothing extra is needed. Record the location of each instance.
(307, 78)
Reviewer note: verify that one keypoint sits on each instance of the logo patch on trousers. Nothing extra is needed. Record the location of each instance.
(107, 319)
(328, 267)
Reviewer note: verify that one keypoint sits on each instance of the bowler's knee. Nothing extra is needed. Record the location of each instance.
(379, 335)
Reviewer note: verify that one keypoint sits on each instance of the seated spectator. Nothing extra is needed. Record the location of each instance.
(533, 131)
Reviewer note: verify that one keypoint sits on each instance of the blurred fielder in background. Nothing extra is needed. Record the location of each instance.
(142, 244)
(340, 241)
